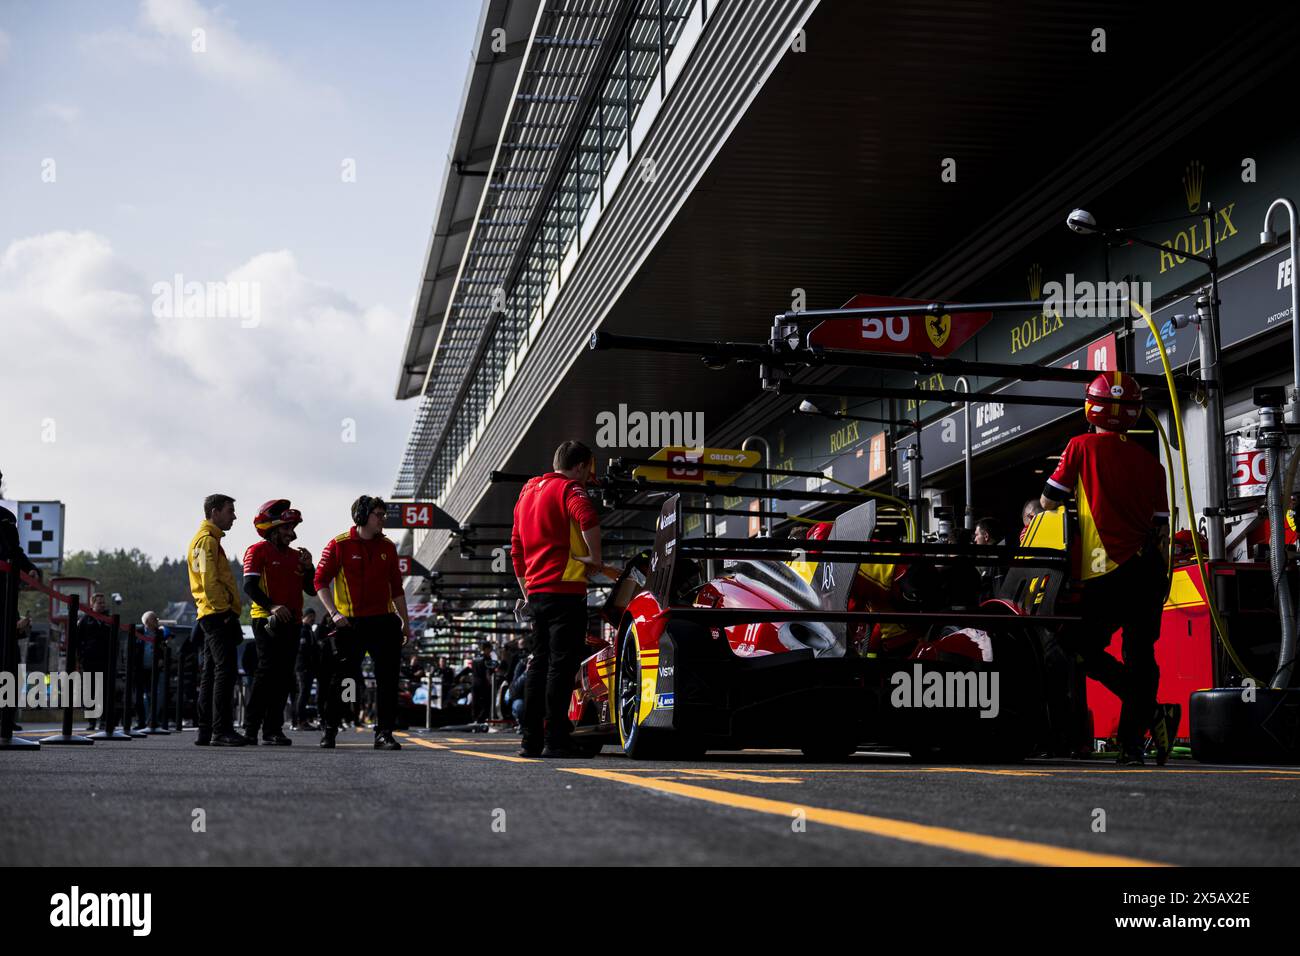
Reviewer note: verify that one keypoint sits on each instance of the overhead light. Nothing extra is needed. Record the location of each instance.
(808, 408)
(1082, 222)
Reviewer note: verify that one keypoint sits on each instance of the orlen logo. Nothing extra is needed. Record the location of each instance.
(1166, 334)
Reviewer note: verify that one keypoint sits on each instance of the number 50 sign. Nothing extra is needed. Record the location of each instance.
(1249, 472)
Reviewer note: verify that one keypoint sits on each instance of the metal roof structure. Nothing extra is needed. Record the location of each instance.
(545, 171)
(820, 170)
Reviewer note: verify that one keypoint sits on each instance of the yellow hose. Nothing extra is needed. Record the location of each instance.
(1173, 517)
(1187, 497)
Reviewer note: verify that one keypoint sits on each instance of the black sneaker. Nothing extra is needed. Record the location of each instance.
(386, 742)
(250, 739)
(278, 739)
(203, 742)
(1130, 758)
(327, 742)
(563, 751)
(528, 752)
(229, 740)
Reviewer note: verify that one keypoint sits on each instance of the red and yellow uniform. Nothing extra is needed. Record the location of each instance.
(1121, 493)
(363, 575)
(280, 576)
(546, 537)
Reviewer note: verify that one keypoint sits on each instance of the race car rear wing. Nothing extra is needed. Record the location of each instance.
(837, 564)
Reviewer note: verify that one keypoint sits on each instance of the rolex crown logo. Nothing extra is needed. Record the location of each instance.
(1035, 281)
(1193, 183)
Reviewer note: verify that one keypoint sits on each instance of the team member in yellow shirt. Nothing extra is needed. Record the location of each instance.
(217, 602)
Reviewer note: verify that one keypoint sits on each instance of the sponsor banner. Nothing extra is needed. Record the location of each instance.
(898, 334)
(1253, 301)
(692, 464)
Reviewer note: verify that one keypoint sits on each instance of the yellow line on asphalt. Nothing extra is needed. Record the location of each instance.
(425, 743)
(999, 848)
(482, 753)
(1037, 772)
(741, 768)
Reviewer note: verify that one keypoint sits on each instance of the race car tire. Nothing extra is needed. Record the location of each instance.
(639, 743)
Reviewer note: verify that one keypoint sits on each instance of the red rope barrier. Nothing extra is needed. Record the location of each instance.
(37, 584)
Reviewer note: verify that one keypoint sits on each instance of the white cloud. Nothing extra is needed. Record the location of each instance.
(62, 112)
(186, 33)
(151, 414)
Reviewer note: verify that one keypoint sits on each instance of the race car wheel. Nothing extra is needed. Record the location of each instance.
(628, 697)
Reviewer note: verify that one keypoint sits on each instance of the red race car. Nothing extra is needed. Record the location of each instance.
(824, 643)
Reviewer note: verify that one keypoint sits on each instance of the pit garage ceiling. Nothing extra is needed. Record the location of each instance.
(831, 181)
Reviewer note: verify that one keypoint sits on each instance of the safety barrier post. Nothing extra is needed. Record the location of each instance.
(70, 668)
(9, 658)
(110, 731)
(128, 690)
(157, 701)
(179, 654)
(164, 698)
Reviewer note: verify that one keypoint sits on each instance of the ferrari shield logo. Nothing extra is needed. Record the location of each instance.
(938, 328)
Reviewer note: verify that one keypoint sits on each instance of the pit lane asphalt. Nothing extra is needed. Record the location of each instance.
(450, 798)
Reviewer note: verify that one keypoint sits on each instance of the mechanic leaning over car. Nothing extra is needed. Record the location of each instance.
(275, 578)
(1123, 510)
(216, 602)
(360, 585)
(554, 546)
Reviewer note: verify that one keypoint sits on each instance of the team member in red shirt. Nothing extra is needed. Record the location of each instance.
(1124, 522)
(554, 546)
(360, 585)
(275, 578)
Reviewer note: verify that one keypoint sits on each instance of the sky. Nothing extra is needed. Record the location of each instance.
(213, 218)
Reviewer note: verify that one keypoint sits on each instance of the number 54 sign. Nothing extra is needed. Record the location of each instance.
(419, 514)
